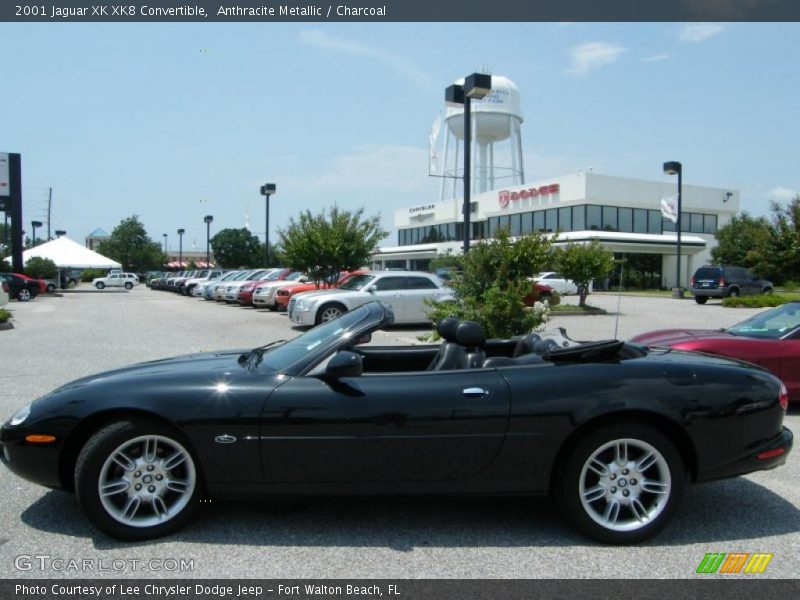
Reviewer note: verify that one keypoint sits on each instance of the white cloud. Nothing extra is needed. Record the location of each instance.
(781, 194)
(593, 55)
(656, 57)
(700, 32)
(319, 39)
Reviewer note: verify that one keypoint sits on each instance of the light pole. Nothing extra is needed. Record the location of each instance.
(476, 86)
(208, 220)
(60, 232)
(180, 246)
(676, 168)
(34, 225)
(267, 190)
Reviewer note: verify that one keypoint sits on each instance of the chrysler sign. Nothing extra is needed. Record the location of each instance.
(505, 197)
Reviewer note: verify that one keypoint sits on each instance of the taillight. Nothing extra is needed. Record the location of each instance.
(283, 293)
(784, 397)
(721, 281)
(691, 282)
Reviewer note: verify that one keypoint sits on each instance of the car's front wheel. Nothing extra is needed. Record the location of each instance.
(137, 480)
(99, 285)
(24, 295)
(329, 312)
(621, 484)
(128, 285)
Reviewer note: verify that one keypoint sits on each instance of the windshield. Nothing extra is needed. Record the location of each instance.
(273, 275)
(356, 282)
(772, 324)
(318, 339)
(294, 276)
(256, 275)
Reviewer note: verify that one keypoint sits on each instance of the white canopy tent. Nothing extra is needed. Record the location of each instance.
(70, 255)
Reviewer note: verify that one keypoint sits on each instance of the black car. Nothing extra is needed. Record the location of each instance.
(20, 288)
(613, 431)
(723, 282)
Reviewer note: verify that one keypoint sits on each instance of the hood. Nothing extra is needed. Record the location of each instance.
(203, 364)
(313, 295)
(672, 337)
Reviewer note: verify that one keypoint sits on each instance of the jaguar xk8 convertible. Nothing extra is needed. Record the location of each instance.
(613, 431)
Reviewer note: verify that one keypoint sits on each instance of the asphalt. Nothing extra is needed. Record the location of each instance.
(59, 339)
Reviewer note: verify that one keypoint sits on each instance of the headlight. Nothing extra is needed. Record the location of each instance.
(19, 416)
(301, 305)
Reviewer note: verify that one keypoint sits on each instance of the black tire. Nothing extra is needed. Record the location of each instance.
(545, 297)
(767, 290)
(701, 299)
(567, 489)
(326, 312)
(99, 285)
(51, 287)
(734, 293)
(89, 469)
(24, 295)
(128, 285)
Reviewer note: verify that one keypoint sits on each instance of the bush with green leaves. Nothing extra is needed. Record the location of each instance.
(41, 268)
(4, 315)
(493, 285)
(583, 263)
(88, 274)
(760, 301)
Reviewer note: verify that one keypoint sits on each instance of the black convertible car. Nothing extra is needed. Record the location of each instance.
(613, 431)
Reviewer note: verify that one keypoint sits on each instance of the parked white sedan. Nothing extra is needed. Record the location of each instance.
(404, 291)
(126, 280)
(557, 282)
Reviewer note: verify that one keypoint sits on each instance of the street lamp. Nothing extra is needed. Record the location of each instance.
(180, 246)
(60, 232)
(675, 168)
(208, 219)
(34, 225)
(267, 190)
(476, 86)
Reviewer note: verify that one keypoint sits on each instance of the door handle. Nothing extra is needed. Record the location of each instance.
(475, 392)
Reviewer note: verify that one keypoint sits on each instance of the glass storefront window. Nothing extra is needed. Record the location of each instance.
(609, 218)
(667, 225)
(697, 223)
(551, 219)
(527, 222)
(625, 216)
(538, 220)
(516, 224)
(594, 217)
(578, 218)
(709, 223)
(565, 219)
(639, 220)
(654, 221)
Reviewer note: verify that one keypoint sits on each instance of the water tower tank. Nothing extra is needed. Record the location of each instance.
(496, 139)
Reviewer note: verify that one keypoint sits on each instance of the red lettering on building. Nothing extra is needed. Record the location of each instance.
(504, 197)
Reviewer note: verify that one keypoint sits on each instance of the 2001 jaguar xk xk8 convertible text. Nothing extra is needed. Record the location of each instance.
(613, 431)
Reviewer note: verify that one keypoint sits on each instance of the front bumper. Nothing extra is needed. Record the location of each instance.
(37, 463)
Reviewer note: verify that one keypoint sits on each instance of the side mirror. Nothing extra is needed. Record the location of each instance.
(344, 364)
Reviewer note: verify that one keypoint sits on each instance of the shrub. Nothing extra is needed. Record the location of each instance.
(41, 268)
(4, 315)
(790, 285)
(88, 274)
(760, 301)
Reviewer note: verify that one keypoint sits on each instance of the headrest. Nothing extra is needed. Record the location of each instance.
(525, 344)
(447, 329)
(470, 334)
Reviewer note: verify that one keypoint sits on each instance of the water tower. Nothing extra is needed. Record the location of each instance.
(496, 140)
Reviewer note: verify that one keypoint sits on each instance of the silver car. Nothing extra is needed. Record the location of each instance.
(404, 291)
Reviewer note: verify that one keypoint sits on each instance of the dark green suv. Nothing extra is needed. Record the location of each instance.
(722, 282)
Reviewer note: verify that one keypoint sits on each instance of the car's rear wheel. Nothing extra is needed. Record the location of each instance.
(137, 480)
(128, 285)
(621, 484)
(99, 285)
(24, 295)
(701, 299)
(51, 287)
(329, 312)
(766, 290)
(734, 293)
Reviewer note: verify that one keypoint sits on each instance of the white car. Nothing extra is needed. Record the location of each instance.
(404, 291)
(126, 280)
(190, 284)
(206, 290)
(264, 293)
(557, 282)
(232, 287)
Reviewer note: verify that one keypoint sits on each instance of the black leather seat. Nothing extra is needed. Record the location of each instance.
(451, 355)
(525, 344)
(471, 336)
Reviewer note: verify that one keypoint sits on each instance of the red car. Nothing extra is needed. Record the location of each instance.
(245, 294)
(40, 282)
(540, 291)
(283, 294)
(770, 339)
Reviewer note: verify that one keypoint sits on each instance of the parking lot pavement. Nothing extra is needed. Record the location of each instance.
(58, 339)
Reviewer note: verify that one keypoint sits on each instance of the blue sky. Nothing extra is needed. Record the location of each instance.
(175, 121)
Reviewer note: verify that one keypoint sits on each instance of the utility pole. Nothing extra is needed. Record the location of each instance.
(49, 210)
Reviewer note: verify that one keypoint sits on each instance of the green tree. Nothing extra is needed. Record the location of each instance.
(781, 257)
(582, 263)
(742, 241)
(331, 241)
(236, 248)
(493, 285)
(130, 246)
(41, 268)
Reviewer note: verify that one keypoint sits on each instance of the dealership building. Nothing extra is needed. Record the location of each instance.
(623, 214)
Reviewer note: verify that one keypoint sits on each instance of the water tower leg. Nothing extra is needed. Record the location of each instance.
(521, 162)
